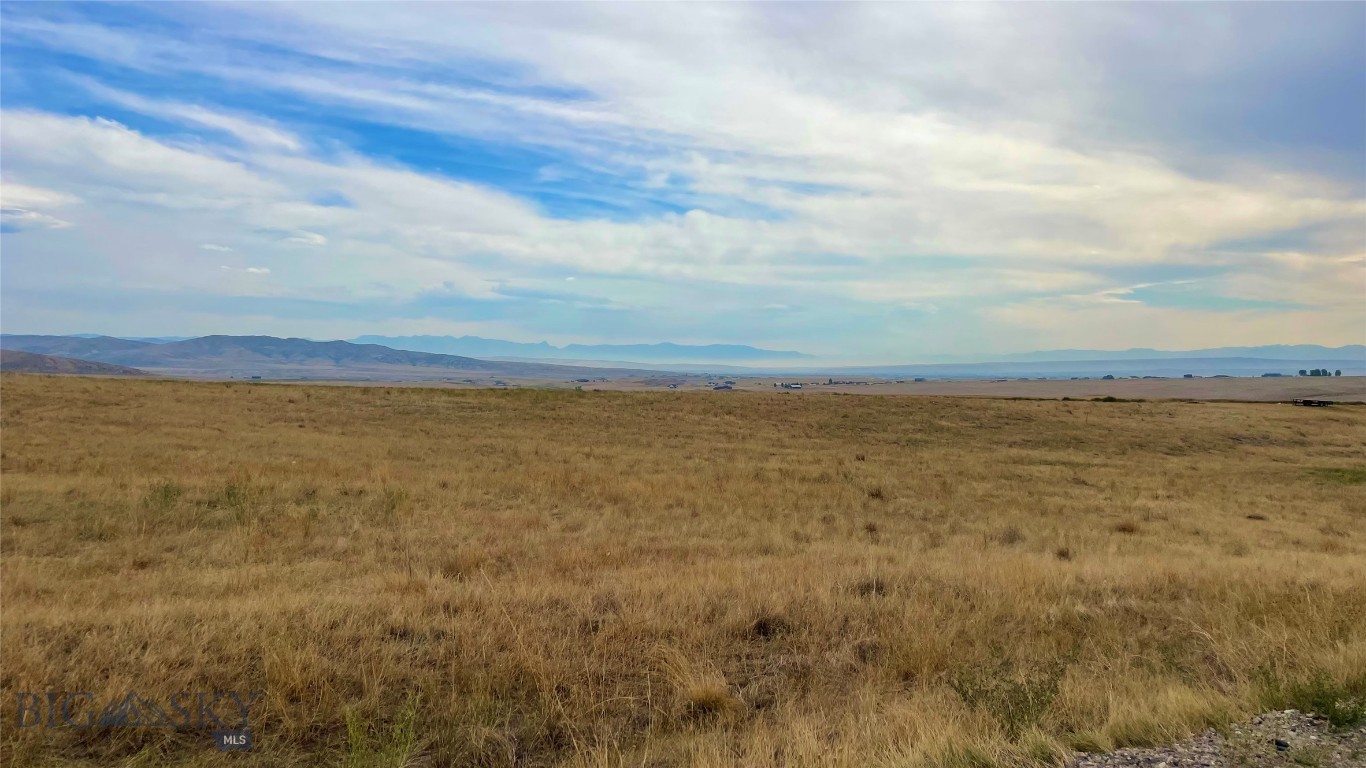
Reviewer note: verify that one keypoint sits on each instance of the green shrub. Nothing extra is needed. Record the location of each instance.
(1343, 704)
(1017, 701)
(162, 496)
(394, 748)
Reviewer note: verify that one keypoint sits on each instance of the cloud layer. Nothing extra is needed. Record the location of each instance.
(860, 181)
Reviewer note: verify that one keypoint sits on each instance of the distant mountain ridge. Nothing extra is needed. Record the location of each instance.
(1351, 352)
(80, 347)
(1170, 367)
(477, 346)
(272, 357)
(16, 361)
(268, 356)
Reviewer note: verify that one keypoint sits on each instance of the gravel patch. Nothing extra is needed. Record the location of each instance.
(1289, 738)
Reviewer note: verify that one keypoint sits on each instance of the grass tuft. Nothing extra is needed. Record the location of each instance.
(1343, 475)
(1341, 701)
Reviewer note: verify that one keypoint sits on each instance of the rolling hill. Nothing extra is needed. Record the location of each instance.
(81, 347)
(16, 361)
(271, 357)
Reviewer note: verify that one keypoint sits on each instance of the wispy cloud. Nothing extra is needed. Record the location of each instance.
(306, 238)
(22, 207)
(254, 132)
(912, 166)
(15, 219)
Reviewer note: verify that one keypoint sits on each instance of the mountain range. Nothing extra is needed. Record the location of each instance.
(1351, 352)
(756, 357)
(666, 352)
(29, 362)
(271, 357)
(741, 355)
(1168, 367)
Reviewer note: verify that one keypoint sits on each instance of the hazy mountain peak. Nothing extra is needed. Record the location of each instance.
(645, 353)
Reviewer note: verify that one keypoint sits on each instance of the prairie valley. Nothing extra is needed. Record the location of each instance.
(532, 577)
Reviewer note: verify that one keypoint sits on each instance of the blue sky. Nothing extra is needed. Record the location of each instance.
(867, 183)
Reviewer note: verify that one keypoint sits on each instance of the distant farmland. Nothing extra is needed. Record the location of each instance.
(533, 578)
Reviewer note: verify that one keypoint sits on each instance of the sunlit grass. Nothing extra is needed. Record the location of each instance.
(538, 578)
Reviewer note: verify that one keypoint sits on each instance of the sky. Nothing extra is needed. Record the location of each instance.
(862, 182)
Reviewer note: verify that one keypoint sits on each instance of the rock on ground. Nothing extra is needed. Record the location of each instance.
(1291, 739)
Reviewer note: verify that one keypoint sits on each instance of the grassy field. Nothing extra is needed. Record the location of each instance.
(498, 578)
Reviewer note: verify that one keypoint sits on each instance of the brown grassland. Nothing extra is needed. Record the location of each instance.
(497, 578)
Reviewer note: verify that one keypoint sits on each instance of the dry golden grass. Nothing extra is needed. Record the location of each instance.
(439, 577)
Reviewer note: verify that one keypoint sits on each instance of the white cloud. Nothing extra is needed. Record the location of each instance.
(937, 155)
(22, 218)
(303, 237)
(1126, 324)
(252, 131)
(97, 154)
(409, 232)
(21, 204)
(212, 247)
(14, 195)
